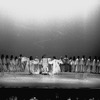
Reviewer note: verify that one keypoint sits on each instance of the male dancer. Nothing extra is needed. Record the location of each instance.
(19, 62)
(36, 65)
(31, 65)
(67, 66)
(7, 62)
(1, 63)
(98, 66)
(88, 65)
(73, 64)
(44, 63)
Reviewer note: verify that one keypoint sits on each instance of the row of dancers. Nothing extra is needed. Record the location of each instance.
(49, 65)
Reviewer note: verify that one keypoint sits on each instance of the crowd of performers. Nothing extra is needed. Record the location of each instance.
(49, 65)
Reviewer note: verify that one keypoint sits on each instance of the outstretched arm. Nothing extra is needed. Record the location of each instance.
(50, 62)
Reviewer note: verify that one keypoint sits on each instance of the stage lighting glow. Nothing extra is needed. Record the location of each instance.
(45, 10)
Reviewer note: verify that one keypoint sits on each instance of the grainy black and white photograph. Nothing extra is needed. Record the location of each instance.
(49, 49)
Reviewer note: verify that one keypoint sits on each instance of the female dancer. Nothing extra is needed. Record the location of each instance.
(55, 65)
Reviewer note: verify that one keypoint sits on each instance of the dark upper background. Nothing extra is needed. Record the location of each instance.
(76, 36)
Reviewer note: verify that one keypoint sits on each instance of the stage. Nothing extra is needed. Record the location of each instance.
(62, 80)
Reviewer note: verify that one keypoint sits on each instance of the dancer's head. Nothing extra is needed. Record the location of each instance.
(16, 57)
(83, 56)
(78, 57)
(7, 56)
(70, 58)
(74, 57)
(2, 56)
(44, 56)
(11, 57)
(61, 57)
(20, 55)
(54, 57)
(65, 56)
(90, 57)
(31, 58)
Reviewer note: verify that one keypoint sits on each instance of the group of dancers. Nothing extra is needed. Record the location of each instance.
(47, 65)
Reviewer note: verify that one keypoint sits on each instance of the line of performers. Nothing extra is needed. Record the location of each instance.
(49, 65)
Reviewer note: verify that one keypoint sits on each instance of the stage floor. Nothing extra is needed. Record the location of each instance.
(62, 80)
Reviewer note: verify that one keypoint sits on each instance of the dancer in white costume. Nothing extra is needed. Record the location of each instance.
(98, 66)
(16, 64)
(4, 64)
(55, 65)
(82, 65)
(36, 65)
(7, 62)
(88, 65)
(44, 63)
(77, 65)
(94, 66)
(0, 65)
(69, 63)
(31, 65)
(19, 62)
(12, 64)
(67, 66)
(73, 62)
(49, 66)
(24, 63)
